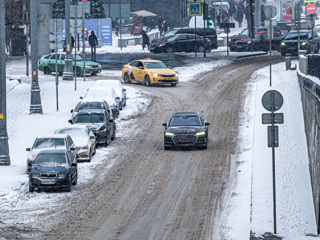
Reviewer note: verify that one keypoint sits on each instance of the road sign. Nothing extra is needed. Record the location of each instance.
(270, 11)
(273, 136)
(195, 9)
(272, 100)
(311, 8)
(227, 25)
(272, 118)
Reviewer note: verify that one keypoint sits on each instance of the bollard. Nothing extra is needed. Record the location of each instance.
(302, 52)
(288, 63)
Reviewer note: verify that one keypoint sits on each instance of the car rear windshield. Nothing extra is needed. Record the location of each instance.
(90, 118)
(185, 121)
(88, 105)
(73, 132)
(56, 143)
(294, 36)
(51, 160)
(155, 65)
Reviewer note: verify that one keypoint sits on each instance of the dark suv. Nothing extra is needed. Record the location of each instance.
(181, 43)
(308, 41)
(211, 33)
(99, 122)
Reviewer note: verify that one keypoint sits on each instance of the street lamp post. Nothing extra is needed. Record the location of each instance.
(4, 147)
(35, 106)
(68, 73)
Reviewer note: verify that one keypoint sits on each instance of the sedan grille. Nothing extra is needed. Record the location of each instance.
(48, 175)
(185, 139)
(163, 75)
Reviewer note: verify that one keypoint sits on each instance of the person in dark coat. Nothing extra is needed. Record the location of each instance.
(93, 42)
(145, 40)
(160, 20)
(71, 45)
(117, 25)
(164, 26)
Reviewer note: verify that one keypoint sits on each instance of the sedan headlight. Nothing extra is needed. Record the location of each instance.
(249, 42)
(88, 66)
(303, 43)
(155, 74)
(35, 175)
(282, 44)
(62, 175)
(161, 45)
(99, 66)
(201, 134)
(169, 134)
(176, 75)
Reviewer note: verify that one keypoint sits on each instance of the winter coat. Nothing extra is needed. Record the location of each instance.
(93, 40)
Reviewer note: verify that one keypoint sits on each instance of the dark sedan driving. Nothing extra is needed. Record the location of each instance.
(186, 129)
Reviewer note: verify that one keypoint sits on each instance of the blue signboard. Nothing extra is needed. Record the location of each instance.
(102, 28)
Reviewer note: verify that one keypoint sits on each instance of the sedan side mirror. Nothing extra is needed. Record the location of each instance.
(71, 111)
(118, 98)
(206, 124)
(110, 119)
(124, 90)
(81, 98)
(72, 148)
(74, 164)
(70, 121)
(28, 149)
(164, 124)
(92, 137)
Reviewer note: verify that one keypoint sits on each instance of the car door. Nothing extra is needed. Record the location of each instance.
(109, 125)
(92, 139)
(52, 62)
(71, 145)
(73, 169)
(181, 43)
(133, 70)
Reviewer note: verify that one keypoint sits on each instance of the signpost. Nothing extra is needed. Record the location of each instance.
(272, 101)
(228, 26)
(195, 10)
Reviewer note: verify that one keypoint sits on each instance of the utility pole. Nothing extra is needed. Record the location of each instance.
(35, 106)
(4, 146)
(67, 72)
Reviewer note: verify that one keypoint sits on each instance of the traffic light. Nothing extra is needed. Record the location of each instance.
(209, 22)
(205, 11)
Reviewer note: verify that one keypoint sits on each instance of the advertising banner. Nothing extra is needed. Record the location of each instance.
(286, 11)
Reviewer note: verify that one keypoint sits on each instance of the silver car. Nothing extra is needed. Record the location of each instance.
(54, 141)
(83, 139)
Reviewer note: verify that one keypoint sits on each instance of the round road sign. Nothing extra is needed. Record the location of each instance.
(272, 100)
(311, 8)
(270, 11)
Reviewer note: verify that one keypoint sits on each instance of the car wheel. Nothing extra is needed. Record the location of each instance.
(147, 81)
(283, 53)
(170, 50)
(126, 78)
(46, 71)
(31, 189)
(68, 189)
(78, 72)
(204, 147)
(167, 148)
(173, 84)
(113, 136)
(201, 49)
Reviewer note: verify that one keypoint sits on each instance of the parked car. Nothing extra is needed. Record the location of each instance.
(149, 72)
(103, 127)
(186, 129)
(108, 94)
(260, 42)
(244, 34)
(83, 139)
(53, 169)
(309, 41)
(117, 86)
(47, 64)
(317, 30)
(92, 104)
(54, 141)
(210, 33)
(181, 43)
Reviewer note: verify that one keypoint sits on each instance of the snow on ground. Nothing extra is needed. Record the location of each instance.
(295, 214)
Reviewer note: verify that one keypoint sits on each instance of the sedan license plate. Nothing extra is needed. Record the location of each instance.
(48, 181)
(239, 46)
(184, 140)
(168, 78)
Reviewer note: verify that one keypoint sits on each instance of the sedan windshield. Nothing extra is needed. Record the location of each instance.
(155, 65)
(185, 121)
(58, 143)
(51, 160)
(90, 118)
(88, 105)
(73, 132)
(172, 38)
(294, 36)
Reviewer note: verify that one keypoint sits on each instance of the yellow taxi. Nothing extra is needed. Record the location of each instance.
(149, 72)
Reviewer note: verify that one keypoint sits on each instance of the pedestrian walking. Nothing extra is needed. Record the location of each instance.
(117, 25)
(160, 20)
(164, 26)
(93, 42)
(239, 15)
(145, 40)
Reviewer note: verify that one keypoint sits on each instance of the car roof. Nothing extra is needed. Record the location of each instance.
(50, 151)
(89, 100)
(54, 136)
(179, 114)
(147, 60)
(73, 126)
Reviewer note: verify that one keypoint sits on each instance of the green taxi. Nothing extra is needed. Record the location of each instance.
(47, 64)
